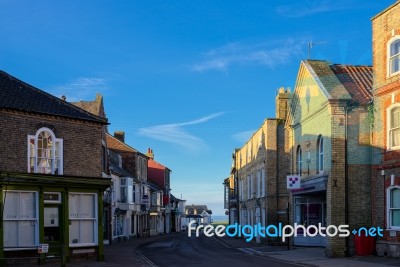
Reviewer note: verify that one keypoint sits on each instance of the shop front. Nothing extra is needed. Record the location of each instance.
(309, 208)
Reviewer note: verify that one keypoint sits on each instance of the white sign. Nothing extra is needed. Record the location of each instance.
(293, 182)
(43, 248)
(145, 199)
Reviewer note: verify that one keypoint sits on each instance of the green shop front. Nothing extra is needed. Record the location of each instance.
(60, 215)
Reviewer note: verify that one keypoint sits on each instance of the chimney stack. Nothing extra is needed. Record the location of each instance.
(282, 102)
(120, 135)
(150, 153)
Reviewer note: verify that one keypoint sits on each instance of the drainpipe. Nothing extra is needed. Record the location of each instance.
(277, 171)
(346, 181)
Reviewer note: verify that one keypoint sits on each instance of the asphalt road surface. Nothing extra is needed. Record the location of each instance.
(181, 250)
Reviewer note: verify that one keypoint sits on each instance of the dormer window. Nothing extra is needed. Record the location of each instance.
(394, 57)
(45, 153)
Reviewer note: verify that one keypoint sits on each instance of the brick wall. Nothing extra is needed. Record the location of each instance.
(82, 142)
(385, 26)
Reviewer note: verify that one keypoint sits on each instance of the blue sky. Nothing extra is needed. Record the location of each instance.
(189, 78)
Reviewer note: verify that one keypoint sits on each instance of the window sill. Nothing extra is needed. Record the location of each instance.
(20, 248)
(82, 245)
(393, 149)
(390, 75)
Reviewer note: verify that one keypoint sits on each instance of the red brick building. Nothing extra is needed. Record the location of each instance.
(386, 134)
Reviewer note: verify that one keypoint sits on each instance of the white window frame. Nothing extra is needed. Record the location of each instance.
(299, 160)
(35, 139)
(320, 154)
(94, 220)
(32, 220)
(389, 56)
(388, 127)
(57, 201)
(388, 208)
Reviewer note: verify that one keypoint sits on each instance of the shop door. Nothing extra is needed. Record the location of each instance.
(53, 229)
(307, 214)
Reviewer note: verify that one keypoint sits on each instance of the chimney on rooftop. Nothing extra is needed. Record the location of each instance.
(150, 153)
(282, 102)
(120, 135)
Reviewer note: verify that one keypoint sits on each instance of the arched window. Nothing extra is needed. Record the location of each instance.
(45, 153)
(393, 210)
(394, 128)
(394, 56)
(320, 154)
(299, 160)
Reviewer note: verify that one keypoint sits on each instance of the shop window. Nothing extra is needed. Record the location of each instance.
(393, 208)
(45, 153)
(83, 219)
(20, 218)
(394, 56)
(394, 127)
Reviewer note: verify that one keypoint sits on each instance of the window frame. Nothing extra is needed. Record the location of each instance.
(320, 154)
(389, 110)
(94, 220)
(299, 160)
(56, 141)
(392, 40)
(17, 220)
(389, 208)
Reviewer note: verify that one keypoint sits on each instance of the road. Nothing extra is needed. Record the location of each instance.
(181, 250)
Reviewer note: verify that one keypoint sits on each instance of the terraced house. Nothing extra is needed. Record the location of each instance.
(51, 175)
(256, 190)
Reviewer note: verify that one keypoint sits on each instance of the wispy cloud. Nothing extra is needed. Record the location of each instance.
(80, 88)
(271, 54)
(176, 134)
(308, 8)
(242, 137)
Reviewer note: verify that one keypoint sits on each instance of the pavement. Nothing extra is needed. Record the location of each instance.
(126, 253)
(306, 256)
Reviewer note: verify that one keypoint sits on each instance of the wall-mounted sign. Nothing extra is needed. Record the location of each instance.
(145, 199)
(43, 248)
(293, 182)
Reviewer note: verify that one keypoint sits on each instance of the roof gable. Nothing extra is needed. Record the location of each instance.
(318, 82)
(95, 107)
(20, 96)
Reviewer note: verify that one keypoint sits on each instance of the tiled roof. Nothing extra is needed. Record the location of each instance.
(115, 144)
(18, 95)
(154, 164)
(327, 80)
(357, 80)
(343, 82)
